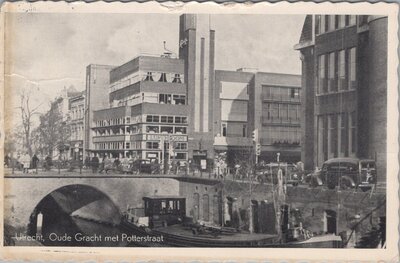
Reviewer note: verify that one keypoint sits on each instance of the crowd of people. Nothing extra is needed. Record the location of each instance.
(22, 162)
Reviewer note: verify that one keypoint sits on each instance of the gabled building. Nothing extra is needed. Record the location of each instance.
(77, 125)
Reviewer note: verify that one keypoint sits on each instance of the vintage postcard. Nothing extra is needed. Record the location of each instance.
(238, 131)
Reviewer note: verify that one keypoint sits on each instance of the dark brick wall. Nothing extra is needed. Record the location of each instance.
(307, 101)
(369, 100)
(377, 92)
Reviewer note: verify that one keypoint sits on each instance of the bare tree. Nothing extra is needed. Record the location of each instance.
(27, 113)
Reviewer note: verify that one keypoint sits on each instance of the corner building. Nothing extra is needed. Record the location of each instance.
(344, 82)
(147, 116)
(248, 100)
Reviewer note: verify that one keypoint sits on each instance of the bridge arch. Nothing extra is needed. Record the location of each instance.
(73, 201)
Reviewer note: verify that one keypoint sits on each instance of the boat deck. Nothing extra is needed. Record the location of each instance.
(179, 230)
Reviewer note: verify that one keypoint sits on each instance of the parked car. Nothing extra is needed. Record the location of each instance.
(345, 173)
(144, 166)
(269, 173)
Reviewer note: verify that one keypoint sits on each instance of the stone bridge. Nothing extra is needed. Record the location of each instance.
(24, 196)
(110, 195)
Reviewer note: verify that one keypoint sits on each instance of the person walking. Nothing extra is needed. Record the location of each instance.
(35, 161)
(95, 164)
(103, 163)
(26, 161)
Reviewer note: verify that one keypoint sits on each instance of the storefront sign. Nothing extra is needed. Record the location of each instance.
(173, 138)
(199, 153)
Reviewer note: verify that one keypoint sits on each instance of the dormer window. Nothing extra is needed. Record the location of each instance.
(177, 79)
(149, 77)
(163, 77)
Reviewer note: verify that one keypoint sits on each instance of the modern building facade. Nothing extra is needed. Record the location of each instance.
(77, 125)
(147, 115)
(163, 107)
(344, 83)
(266, 102)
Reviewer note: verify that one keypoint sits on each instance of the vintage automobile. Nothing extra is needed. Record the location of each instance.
(269, 173)
(144, 166)
(345, 173)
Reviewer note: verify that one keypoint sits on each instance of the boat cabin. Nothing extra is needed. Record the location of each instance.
(164, 210)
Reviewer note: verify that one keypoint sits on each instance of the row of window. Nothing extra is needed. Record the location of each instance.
(166, 129)
(130, 130)
(326, 23)
(166, 119)
(281, 112)
(337, 71)
(157, 155)
(150, 97)
(111, 122)
(148, 118)
(337, 135)
(77, 113)
(146, 76)
(179, 146)
(281, 135)
(77, 132)
(280, 93)
(175, 146)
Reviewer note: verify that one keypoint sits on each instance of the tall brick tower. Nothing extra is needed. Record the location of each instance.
(197, 49)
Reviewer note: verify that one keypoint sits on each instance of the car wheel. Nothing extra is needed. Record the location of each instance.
(331, 185)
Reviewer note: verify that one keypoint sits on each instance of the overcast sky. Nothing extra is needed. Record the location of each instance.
(46, 52)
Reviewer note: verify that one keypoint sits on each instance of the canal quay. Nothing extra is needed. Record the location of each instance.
(93, 205)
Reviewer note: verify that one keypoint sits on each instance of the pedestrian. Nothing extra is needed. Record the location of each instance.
(26, 161)
(48, 163)
(35, 161)
(103, 163)
(87, 162)
(7, 160)
(95, 164)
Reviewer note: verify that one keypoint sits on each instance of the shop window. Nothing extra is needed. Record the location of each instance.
(152, 129)
(181, 130)
(165, 98)
(179, 99)
(167, 129)
(152, 118)
(152, 145)
(181, 156)
(181, 146)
